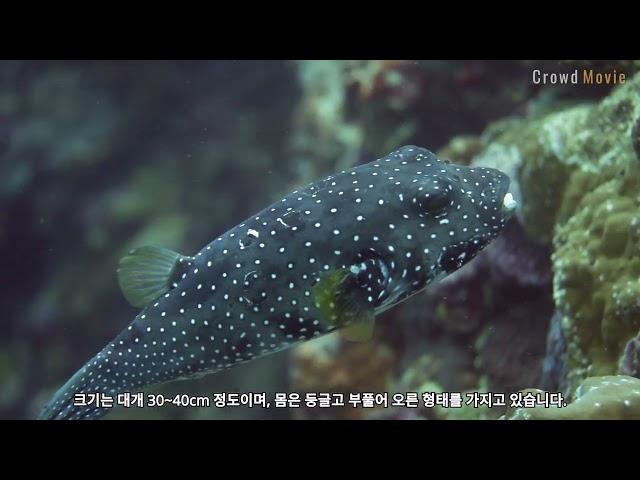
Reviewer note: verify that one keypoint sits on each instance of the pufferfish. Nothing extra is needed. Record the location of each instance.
(331, 255)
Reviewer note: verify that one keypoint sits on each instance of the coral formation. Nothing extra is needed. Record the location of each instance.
(576, 174)
(578, 177)
(596, 250)
(630, 360)
(374, 106)
(331, 364)
(613, 397)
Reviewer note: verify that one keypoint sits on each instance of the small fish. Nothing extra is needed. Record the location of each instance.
(331, 255)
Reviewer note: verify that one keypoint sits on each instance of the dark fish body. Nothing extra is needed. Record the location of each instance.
(333, 254)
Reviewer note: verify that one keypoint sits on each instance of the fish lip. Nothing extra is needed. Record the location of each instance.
(509, 205)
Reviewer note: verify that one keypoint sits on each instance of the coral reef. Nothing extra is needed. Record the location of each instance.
(577, 176)
(489, 303)
(596, 250)
(614, 397)
(333, 365)
(358, 109)
(630, 360)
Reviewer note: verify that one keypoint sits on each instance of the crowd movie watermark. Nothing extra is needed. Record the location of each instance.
(584, 76)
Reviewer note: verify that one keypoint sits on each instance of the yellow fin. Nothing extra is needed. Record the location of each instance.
(327, 294)
(340, 304)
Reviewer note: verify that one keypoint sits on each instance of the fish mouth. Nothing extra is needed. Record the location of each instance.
(509, 206)
(508, 203)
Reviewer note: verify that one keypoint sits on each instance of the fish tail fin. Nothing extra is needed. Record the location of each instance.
(70, 402)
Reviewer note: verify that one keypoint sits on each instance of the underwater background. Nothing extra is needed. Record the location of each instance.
(98, 157)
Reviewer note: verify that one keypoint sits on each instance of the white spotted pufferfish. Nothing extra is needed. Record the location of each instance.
(333, 254)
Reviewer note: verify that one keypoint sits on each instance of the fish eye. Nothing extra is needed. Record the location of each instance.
(435, 197)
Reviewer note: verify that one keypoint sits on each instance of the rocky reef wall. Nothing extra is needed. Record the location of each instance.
(555, 300)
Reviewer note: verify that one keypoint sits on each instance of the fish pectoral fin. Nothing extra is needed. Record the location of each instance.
(341, 303)
(360, 330)
(147, 272)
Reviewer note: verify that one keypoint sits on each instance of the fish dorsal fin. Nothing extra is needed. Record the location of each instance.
(340, 301)
(147, 272)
